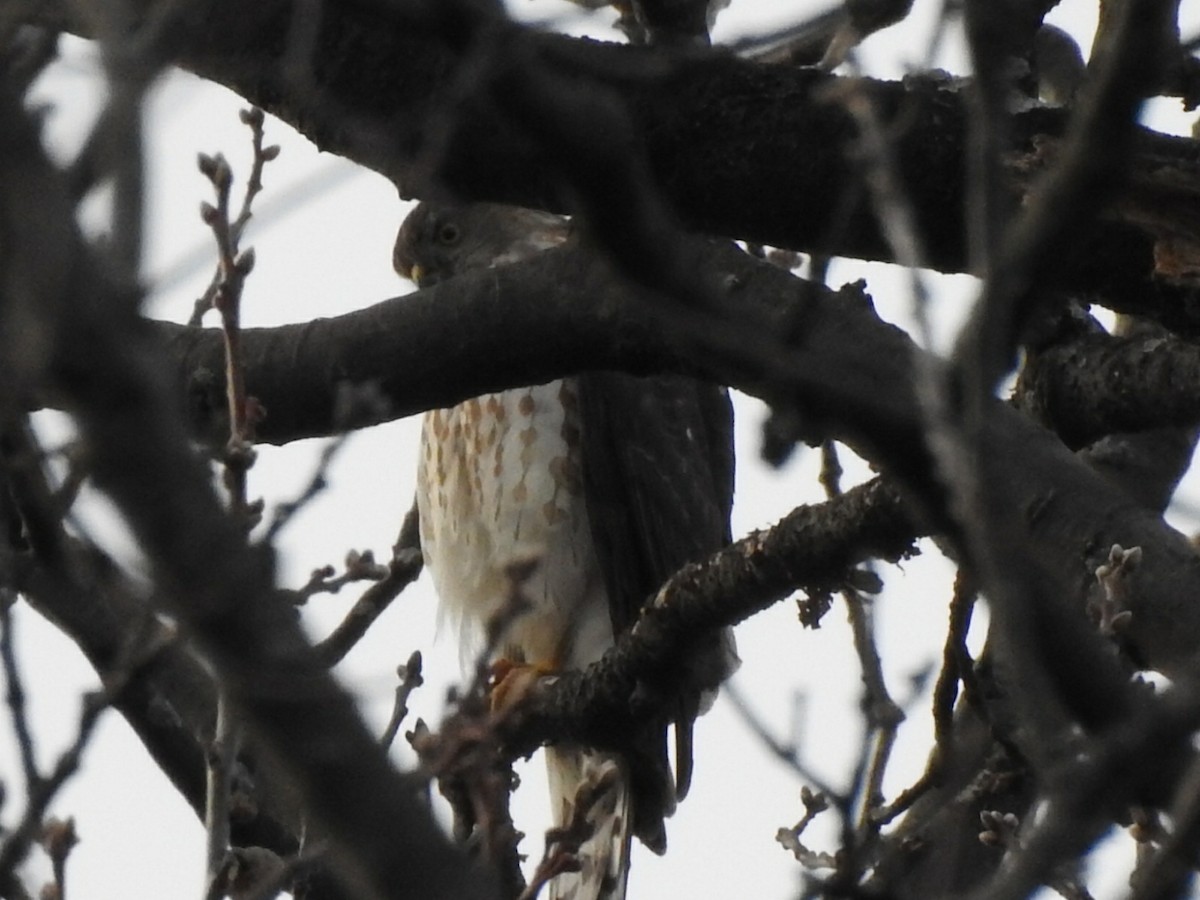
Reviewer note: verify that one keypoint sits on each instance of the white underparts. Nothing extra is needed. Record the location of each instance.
(499, 482)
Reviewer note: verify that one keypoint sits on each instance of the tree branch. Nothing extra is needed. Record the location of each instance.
(814, 548)
(734, 147)
(823, 355)
(217, 587)
(1095, 384)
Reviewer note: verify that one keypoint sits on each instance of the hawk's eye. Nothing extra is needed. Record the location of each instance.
(448, 234)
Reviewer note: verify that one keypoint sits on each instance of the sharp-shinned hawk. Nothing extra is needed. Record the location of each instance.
(611, 482)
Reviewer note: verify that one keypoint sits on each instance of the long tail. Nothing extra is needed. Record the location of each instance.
(590, 794)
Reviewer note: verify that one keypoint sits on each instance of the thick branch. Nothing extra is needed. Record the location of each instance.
(823, 355)
(815, 547)
(310, 376)
(1098, 384)
(736, 148)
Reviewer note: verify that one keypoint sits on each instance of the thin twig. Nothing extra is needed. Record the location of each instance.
(16, 693)
(884, 716)
(284, 512)
(957, 664)
(786, 754)
(239, 454)
(815, 803)
(410, 679)
(222, 757)
(16, 844)
(262, 155)
(253, 118)
(353, 403)
(831, 470)
(907, 797)
(359, 566)
(403, 570)
(58, 838)
(225, 295)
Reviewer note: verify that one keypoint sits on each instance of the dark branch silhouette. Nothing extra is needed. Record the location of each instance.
(1051, 505)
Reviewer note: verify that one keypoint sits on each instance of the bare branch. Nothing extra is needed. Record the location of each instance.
(222, 758)
(219, 588)
(403, 570)
(18, 841)
(58, 838)
(15, 696)
(752, 134)
(410, 680)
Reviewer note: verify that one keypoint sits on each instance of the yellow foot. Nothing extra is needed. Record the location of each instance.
(511, 681)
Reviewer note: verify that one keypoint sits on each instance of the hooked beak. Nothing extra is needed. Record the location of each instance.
(423, 277)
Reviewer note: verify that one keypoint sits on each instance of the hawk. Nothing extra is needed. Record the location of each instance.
(612, 482)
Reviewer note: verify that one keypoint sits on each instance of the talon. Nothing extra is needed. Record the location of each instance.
(499, 670)
(511, 680)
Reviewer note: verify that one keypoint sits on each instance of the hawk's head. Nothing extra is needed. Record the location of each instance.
(438, 241)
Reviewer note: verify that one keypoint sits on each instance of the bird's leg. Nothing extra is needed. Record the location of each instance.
(511, 680)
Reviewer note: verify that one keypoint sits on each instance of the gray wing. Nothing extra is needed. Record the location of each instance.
(658, 475)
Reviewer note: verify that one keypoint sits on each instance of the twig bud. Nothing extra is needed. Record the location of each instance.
(252, 117)
(207, 165)
(223, 175)
(245, 261)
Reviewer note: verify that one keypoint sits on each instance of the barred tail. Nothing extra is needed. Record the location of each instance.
(591, 800)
